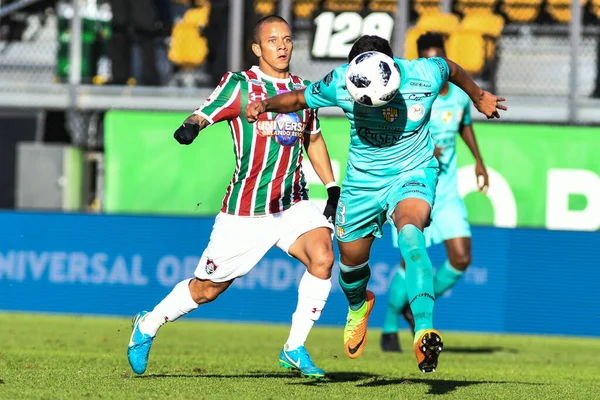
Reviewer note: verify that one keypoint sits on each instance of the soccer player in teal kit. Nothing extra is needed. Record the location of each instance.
(451, 115)
(391, 174)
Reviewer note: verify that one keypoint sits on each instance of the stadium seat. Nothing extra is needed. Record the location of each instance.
(410, 42)
(468, 49)
(486, 23)
(303, 9)
(468, 6)
(188, 49)
(383, 5)
(445, 23)
(521, 11)
(560, 10)
(595, 8)
(197, 16)
(343, 5)
(425, 7)
(265, 7)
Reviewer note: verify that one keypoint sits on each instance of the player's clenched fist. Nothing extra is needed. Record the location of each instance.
(254, 109)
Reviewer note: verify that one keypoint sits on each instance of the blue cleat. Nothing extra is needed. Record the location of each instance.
(299, 360)
(139, 346)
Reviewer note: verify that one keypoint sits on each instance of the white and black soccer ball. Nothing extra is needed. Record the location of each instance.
(372, 79)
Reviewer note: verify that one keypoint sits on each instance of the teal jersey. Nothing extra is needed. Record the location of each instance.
(393, 138)
(449, 113)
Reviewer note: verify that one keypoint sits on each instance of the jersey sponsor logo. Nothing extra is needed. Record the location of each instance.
(210, 267)
(254, 96)
(299, 86)
(419, 96)
(442, 66)
(316, 88)
(419, 84)
(413, 183)
(416, 112)
(390, 114)
(286, 129)
(256, 82)
(328, 78)
(379, 139)
(282, 91)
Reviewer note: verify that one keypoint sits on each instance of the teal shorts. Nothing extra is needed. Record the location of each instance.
(366, 204)
(448, 221)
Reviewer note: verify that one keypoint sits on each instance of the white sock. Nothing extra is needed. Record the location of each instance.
(177, 303)
(312, 296)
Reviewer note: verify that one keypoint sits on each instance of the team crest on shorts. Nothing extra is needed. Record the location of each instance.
(210, 267)
(340, 231)
(390, 114)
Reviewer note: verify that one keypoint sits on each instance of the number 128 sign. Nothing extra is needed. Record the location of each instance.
(336, 32)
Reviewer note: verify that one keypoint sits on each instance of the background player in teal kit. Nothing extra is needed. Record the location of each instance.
(391, 175)
(451, 115)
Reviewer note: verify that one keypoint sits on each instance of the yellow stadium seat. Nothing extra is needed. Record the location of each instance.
(383, 5)
(560, 10)
(486, 23)
(304, 9)
(467, 48)
(265, 7)
(521, 10)
(445, 23)
(197, 16)
(188, 49)
(425, 7)
(469, 6)
(343, 5)
(410, 42)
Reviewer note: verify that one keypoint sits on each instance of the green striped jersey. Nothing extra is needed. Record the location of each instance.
(268, 175)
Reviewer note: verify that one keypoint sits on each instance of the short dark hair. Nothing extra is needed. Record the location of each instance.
(370, 43)
(429, 40)
(264, 20)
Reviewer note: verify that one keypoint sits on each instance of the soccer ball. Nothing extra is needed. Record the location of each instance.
(372, 79)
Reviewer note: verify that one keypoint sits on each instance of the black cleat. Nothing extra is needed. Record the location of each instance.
(390, 342)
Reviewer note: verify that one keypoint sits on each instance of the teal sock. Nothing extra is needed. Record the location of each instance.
(419, 275)
(397, 299)
(445, 278)
(353, 281)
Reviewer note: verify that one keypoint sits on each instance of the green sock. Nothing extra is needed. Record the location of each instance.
(353, 281)
(445, 278)
(397, 299)
(419, 275)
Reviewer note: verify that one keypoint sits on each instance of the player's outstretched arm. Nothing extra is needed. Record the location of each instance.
(485, 102)
(190, 128)
(282, 103)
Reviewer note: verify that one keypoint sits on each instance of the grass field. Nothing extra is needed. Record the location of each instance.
(47, 357)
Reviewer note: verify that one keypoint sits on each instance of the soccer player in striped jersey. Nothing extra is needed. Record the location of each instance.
(391, 176)
(265, 205)
(450, 116)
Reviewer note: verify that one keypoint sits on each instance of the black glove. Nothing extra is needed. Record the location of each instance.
(186, 133)
(333, 196)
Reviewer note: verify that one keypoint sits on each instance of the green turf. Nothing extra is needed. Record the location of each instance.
(47, 357)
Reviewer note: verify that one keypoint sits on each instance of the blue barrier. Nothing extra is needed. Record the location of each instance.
(526, 281)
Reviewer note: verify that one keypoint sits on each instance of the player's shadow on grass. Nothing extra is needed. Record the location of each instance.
(249, 375)
(335, 377)
(478, 350)
(436, 386)
(332, 377)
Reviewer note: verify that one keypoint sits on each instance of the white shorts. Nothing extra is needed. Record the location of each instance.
(237, 243)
